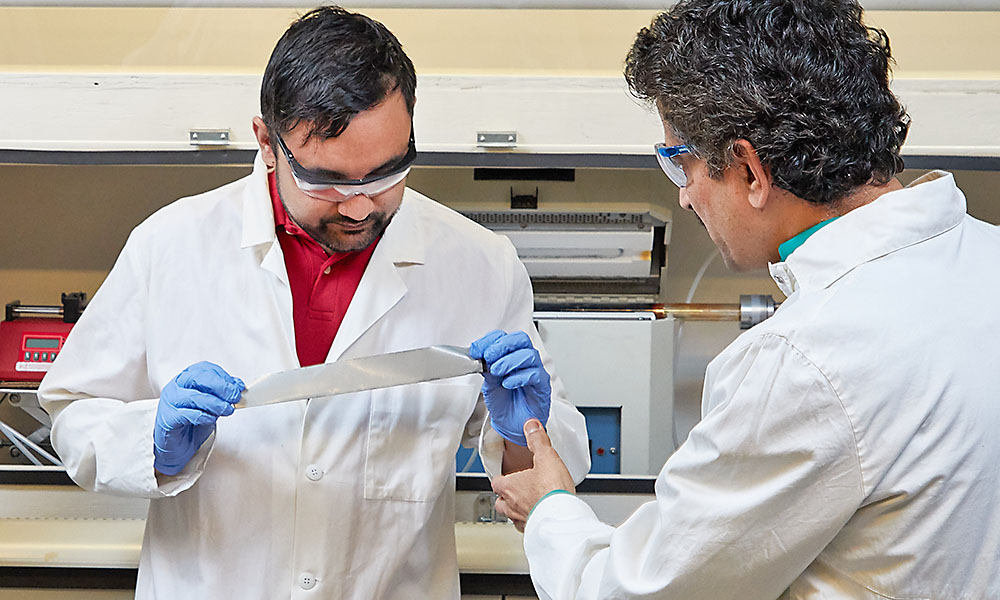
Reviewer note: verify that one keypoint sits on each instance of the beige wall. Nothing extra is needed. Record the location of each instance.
(63, 226)
(563, 42)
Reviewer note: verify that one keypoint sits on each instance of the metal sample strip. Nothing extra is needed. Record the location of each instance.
(360, 374)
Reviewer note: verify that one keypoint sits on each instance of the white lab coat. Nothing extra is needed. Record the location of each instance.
(342, 497)
(848, 444)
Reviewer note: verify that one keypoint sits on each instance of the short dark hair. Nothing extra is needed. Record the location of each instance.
(805, 81)
(330, 65)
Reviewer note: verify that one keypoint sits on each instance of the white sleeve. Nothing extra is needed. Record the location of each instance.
(99, 394)
(566, 425)
(763, 483)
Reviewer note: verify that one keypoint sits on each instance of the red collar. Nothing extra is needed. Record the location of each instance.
(283, 223)
(281, 218)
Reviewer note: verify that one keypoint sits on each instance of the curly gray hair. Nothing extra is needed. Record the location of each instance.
(805, 81)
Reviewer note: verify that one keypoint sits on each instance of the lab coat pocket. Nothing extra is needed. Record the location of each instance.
(413, 434)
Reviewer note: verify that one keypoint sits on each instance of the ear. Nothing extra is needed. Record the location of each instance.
(264, 142)
(758, 176)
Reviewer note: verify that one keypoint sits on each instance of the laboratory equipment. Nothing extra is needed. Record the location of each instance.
(30, 344)
(597, 279)
(28, 347)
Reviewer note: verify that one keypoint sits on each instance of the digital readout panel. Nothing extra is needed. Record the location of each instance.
(41, 343)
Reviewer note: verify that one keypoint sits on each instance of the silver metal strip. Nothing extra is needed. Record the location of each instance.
(360, 374)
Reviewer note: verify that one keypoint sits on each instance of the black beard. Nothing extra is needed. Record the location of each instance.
(349, 242)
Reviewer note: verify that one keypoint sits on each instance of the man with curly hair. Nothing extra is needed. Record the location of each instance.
(846, 446)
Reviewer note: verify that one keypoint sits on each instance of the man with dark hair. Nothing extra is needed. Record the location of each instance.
(846, 448)
(321, 254)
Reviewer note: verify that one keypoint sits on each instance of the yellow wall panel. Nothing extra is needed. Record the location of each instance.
(562, 42)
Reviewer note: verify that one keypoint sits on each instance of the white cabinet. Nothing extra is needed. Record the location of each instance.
(551, 116)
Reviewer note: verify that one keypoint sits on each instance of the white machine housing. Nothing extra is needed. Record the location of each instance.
(619, 360)
(595, 274)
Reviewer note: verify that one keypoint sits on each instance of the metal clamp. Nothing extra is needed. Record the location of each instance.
(208, 137)
(486, 511)
(496, 139)
(72, 305)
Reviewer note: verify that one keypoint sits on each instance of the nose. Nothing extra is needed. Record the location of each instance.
(683, 199)
(356, 207)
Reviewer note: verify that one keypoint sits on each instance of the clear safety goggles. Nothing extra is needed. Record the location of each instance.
(318, 184)
(667, 157)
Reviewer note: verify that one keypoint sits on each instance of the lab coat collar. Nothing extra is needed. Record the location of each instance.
(258, 222)
(927, 207)
(382, 285)
(258, 216)
(403, 240)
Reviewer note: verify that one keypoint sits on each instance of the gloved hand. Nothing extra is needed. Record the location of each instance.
(185, 417)
(516, 386)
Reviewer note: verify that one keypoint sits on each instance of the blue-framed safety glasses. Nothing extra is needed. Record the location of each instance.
(667, 157)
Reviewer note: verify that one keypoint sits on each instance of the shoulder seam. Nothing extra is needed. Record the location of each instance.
(840, 402)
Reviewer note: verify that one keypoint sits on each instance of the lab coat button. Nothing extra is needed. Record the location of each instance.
(307, 581)
(314, 473)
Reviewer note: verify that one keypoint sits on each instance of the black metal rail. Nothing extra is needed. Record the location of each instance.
(593, 484)
(244, 158)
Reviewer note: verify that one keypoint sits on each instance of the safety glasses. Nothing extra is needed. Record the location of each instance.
(318, 184)
(667, 157)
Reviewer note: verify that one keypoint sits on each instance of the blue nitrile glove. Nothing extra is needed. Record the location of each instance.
(516, 386)
(189, 406)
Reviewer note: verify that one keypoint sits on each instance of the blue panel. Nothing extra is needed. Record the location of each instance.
(462, 458)
(604, 426)
(603, 429)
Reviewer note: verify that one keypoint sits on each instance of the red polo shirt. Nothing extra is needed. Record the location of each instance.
(322, 284)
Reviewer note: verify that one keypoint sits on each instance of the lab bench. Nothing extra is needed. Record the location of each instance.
(56, 536)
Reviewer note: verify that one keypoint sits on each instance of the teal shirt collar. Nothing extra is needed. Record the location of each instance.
(785, 250)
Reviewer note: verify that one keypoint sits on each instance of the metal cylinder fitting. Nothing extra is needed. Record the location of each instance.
(755, 308)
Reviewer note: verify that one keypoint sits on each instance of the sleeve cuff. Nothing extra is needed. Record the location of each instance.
(560, 506)
(540, 500)
(491, 449)
(171, 485)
